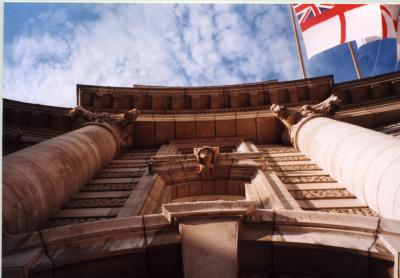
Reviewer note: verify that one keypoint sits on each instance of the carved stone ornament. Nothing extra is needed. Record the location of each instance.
(123, 122)
(206, 157)
(291, 118)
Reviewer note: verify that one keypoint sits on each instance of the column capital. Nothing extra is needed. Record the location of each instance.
(293, 119)
(122, 124)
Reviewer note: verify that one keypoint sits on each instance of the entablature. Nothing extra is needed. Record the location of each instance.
(165, 99)
(237, 98)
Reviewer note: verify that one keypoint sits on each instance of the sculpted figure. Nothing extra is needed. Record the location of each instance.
(291, 117)
(206, 157)
(123, 122)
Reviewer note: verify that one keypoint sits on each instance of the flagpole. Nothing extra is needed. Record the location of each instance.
(297, 43)
(353, 56)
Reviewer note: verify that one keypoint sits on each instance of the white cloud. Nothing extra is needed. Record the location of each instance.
(170, 45)
(27, 51)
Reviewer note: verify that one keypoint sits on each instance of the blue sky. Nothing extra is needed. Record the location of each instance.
(49, 48)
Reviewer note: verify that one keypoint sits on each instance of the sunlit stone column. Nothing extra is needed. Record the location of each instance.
(38, 180)
(366, 162)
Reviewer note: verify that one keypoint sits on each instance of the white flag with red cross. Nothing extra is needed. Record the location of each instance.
(390, 27)
(327, 25)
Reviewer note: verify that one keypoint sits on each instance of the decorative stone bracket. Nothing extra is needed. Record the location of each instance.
(206, 157)
(293, 119)
(122, 123)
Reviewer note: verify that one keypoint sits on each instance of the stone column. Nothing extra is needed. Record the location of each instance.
(38, 180)
(366, 162)
(210, 248)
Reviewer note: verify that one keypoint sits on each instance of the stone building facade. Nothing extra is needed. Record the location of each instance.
(271, 179)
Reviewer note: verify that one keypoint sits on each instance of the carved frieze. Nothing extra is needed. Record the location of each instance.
(389, 126)
(276, 150)
(126, 165)
(305, 167)
(365, 211)
(123, 122)
(322, 194)
(57, 222)
(391, 129)
(108, 187)
(95, 203)
(133, 174)
(288, 158)
(306, 179)
(136, 156)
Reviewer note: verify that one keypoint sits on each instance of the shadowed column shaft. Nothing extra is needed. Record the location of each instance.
(38, 180)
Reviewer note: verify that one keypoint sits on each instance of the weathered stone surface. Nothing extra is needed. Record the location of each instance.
(40, 179)
(171, 211)
(210, 247)
(292, 119)
(206, 157)
(123, 124)
(280, 241)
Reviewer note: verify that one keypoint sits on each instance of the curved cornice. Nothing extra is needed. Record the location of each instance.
(237, 110)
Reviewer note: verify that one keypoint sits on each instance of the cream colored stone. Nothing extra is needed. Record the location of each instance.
(390, 177)
(377, 173)
(330, 203)
(261, 216)
(365, 161)
(361, 168)
(317, 236)
(314, 186)
(209, 248)
(272, 192)
(180, 210)
(327, 220)
(251, 193)
(92, 229)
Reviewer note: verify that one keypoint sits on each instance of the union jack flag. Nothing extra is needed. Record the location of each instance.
(311, 14)
(327, 25)
(305, 12)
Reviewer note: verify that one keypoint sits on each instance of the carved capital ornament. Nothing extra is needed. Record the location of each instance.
(122, 123)
(293, 119)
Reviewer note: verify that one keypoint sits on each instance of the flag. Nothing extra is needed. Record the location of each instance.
(327, 25)
(390, 27)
